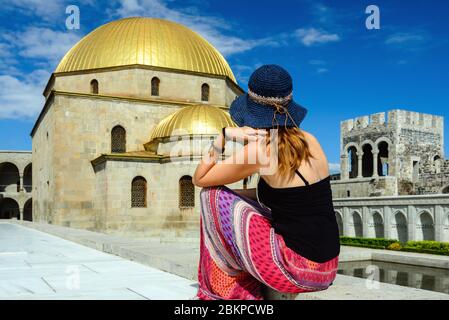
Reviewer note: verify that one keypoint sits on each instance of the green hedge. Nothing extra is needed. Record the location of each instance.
(431, 247)
(371, 242)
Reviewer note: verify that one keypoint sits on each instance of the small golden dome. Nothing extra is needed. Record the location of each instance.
(145, 41)
(192, 120)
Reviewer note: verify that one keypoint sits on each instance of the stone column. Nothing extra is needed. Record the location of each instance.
(438, 223)
(375, 164)
(21, 213)
(365, 222)
(387, 222)
(345, 214)
(360, 164)
(344, 167)
(411, 222)
(21, 184)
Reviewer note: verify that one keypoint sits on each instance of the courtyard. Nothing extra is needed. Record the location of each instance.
(36, 265)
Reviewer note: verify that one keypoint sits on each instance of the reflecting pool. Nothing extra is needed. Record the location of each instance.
(426, 278)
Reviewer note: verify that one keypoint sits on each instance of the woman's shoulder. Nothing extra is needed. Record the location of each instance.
(316, 148)
(310, 137)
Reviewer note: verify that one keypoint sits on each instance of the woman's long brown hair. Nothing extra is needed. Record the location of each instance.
(293, 149)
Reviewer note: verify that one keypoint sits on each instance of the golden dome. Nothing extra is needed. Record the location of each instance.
(145, 41)
(192, 120)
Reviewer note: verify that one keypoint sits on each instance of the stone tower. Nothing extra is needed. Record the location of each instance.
(390, 154)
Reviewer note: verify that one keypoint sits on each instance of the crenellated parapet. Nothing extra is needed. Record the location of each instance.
(364, 122)
(393, 119)
(419, 121)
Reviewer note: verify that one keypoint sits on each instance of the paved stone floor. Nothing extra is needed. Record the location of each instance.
(36, 265)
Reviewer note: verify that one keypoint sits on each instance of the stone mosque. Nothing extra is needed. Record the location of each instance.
(131, 107)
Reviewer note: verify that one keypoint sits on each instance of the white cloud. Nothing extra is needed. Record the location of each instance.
(317, 62)
(322, 70)
(22, 98)
(212, 28)
(334, 168)
(46, 10)
(399, 38)
(311, 36)
(42, 43)
(322, 13)
(321, 66)
(20, 91)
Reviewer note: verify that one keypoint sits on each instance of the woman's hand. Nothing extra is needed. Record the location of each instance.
(244, 133)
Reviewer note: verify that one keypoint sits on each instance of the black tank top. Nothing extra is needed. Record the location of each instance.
(304, 216)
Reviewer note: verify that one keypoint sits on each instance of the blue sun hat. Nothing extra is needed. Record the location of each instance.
(269, 101)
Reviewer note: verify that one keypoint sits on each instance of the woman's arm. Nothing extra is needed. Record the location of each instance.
(243, 163)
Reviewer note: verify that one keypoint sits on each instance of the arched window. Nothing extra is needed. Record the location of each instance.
(155, 86)
(205, 92)
(339, 222)
(139, 192)
(118, 140)
(437, 164)
(367, 161)
(446, 190)
(378, 224)
(425, 227)
(357, 225)
(94, 86)
(399, 227)
(186, 192)
(383, 159)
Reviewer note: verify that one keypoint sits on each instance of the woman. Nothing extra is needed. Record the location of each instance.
(283, 234)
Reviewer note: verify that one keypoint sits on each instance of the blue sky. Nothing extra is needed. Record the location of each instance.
(340, 69)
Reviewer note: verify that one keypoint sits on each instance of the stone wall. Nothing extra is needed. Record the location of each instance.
(136, 83)
(434, 179)
(43, 148)
(76, 130)
(363, 187)
(424, 217)
(162, 216)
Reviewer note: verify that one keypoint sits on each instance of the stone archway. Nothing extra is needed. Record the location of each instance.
(425, 227)
(339, 222)
(445, 235)
(28, 178)
(377, 225)
(28, 210)
(367, 161)
(383, 164)
(399, 228)
(9, 177)
(9, 208)
(356, 225)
